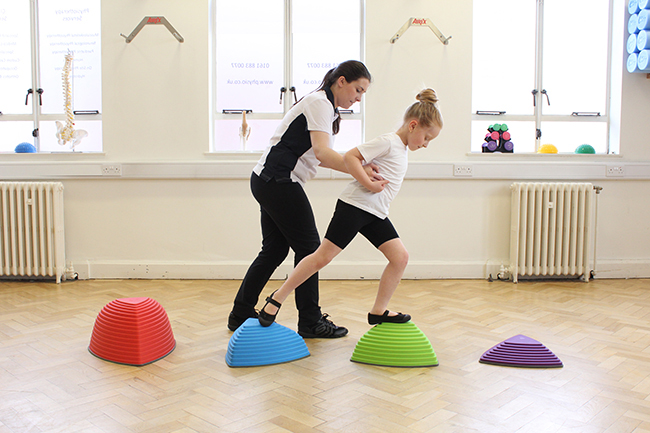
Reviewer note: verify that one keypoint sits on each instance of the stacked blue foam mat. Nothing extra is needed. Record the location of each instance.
(253, 345)
(638, 40)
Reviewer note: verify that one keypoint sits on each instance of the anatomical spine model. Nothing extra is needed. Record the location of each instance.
(66, 133)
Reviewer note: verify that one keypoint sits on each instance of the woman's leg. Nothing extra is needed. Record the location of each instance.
(275, 249)
(288, 206)
(398, 258)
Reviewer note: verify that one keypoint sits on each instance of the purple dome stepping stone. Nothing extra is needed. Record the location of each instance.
(521, 351)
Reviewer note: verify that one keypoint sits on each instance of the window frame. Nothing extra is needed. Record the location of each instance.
(538, 116)
(288, 96)
(37, 116)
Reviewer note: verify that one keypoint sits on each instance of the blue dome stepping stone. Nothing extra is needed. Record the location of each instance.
(395, 345)
(253, 345)
(521, 351)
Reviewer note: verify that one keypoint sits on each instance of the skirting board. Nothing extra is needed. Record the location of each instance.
(370, 270)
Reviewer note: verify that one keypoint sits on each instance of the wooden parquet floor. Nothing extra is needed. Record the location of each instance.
(49, 382)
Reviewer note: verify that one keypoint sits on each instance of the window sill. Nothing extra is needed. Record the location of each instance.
(48, 156)
(528, 155)
(243, 155)
(550, 168)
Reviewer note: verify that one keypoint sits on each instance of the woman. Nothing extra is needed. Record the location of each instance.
(299, 145)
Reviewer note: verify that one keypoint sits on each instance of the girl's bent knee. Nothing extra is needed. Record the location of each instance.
(322, 261)
(401, 259)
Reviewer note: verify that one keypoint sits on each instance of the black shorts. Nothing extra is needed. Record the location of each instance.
(349, 220)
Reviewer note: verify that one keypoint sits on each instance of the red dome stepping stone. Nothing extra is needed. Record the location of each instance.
(521, 351)
(132, 331)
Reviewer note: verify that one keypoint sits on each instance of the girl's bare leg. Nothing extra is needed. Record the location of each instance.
(398, 258)
(305, 269)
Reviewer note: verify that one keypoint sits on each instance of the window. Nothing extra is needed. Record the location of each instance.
(273, 54)
(543, 68)
(35, 38)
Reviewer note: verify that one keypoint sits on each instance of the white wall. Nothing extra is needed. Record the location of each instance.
(178, 212)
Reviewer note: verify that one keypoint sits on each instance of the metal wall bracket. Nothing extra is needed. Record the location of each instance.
(426, 22)
(152, 20)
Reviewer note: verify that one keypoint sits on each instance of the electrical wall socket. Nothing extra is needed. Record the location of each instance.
(111, 169)
(463, 170)
(615, 171)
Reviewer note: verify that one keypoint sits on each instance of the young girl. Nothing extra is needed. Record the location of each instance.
(363, 208)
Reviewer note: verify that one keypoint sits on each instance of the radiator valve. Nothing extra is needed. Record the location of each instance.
(504, 273)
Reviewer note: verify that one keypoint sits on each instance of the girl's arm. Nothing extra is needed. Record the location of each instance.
(354, 163)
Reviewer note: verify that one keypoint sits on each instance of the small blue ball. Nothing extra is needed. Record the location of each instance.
(25, 148)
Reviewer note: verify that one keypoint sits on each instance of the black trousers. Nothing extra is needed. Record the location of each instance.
(287, 222)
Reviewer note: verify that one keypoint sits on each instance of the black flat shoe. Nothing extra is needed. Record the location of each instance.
(375, 319)
(265, 318)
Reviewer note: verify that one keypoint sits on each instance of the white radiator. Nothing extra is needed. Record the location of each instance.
(552, 229)
(31, 230)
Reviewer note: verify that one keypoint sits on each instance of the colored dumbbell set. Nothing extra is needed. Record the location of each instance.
(498, 139)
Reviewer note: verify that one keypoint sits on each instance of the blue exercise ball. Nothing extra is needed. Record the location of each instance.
(25, 148)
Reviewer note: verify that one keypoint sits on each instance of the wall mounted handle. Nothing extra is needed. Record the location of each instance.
(152, 20)
(426, 22)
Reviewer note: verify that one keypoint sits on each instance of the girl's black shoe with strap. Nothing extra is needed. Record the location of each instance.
(375, 319)
(265, 318)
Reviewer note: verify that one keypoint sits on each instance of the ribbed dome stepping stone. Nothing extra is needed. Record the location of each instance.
(253, 345)
(132, 331)
(395, 345)
(521, 351)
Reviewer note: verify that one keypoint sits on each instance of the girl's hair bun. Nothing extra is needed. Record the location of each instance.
(427, 95)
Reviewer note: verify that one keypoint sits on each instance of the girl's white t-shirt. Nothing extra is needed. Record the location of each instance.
(391, 156)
